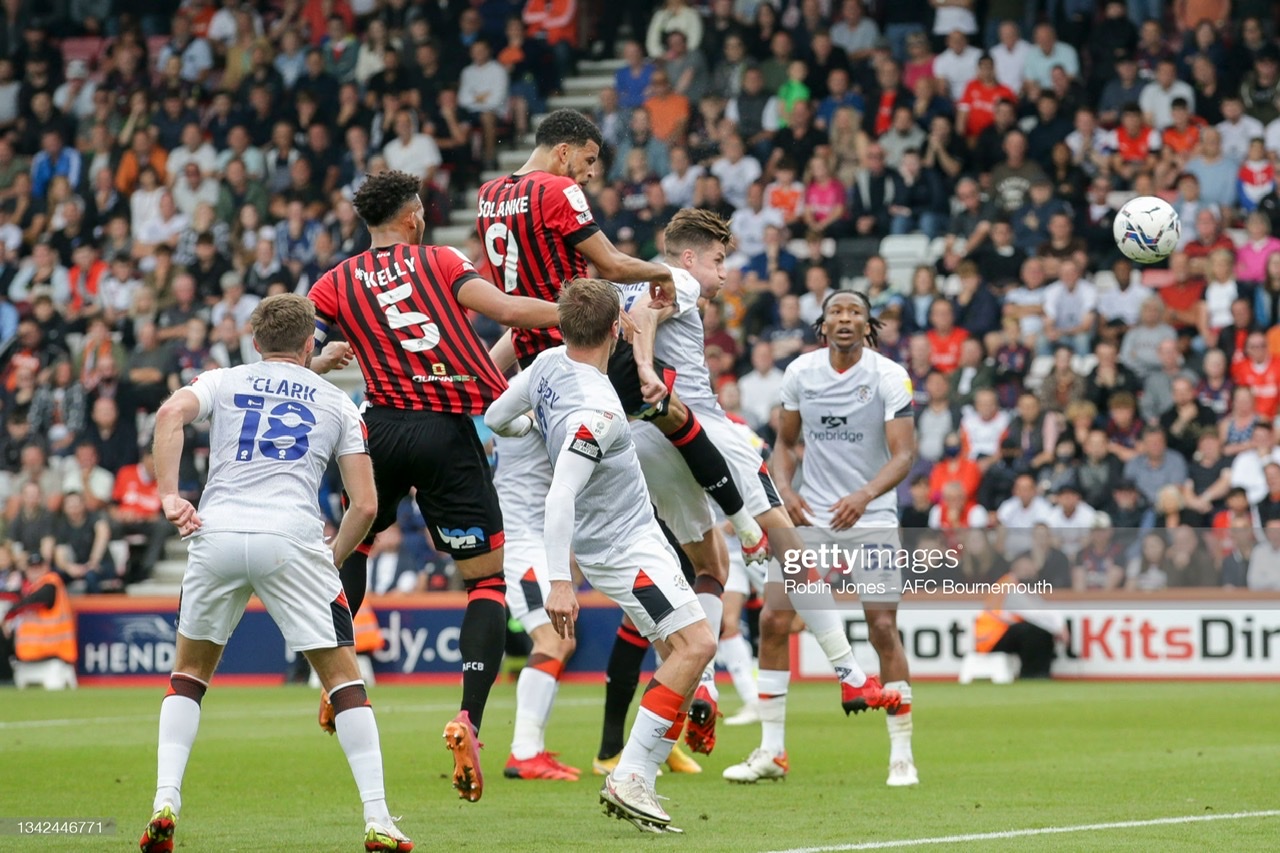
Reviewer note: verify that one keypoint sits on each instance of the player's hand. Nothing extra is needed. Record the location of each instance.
(335, 356)
(562, 607)
(797, 507)
(181, 513)
(628, 324)
(652, 388)
(662, 292)
(846, 511)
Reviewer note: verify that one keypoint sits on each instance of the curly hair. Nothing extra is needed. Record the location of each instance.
(693, 228)
(568, 126)
(382, 195)
(873, 325)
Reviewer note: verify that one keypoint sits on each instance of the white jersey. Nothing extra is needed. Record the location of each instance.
(577, 410)
(522, 479)
(842, 419)
(680, 341)
(275, 426)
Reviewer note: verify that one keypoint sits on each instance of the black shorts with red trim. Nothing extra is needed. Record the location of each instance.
(625, 379)
(440, 455)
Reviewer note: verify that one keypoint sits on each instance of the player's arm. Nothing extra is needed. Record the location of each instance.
(183, 407)
(508, 415)
(503, 353)
(783, 463)
(647, 317)
(362, 507)
(900, 436)
(616, 266)
(337, 354)
(521, 312)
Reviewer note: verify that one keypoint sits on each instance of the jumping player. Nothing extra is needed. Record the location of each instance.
(402, 307)
(597, 504)
(853, 407)
(275, 426)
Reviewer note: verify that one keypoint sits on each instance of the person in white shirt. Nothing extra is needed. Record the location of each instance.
(1157, 96)
(1070, 308)
(736, 170)
(817, 285)
(1248, 468)
(679, 183)
(191, 189)
(956, 512)
(75, 97)
(192, 150)
(482, 89)
(1010, 56)
(761, 389)
(195, 53)
(1124, 301)
(1264, 562)
(958, 64)
(1071, 519)
(1271, 138)
(983, 424)
(750, 222)
(411, 152)
(1237, 129)
(1019, 515)
(235, 303)
(1047, 53)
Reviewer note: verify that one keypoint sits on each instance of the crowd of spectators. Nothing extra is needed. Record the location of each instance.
(164, 165)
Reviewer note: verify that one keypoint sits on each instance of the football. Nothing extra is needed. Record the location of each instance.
(1147, 229)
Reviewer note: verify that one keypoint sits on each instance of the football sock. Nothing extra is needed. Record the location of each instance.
(662, 751)
(709, 592)
(535, 692)
(899, 723)
(773, 709)
(707, 464)
(483, 638)
(620, 680)
(654, 721)
(358, 736)
(827, 628)
(735, 656)
(179, 722)
(355, 576)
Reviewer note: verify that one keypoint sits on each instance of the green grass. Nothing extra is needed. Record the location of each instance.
(262, 776)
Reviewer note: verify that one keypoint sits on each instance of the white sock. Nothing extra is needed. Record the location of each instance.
(828, 629)
(735, 655)
(179, 722)
(746, 527)
(647, 733)
(714, 608)
(535, 693)
(773, 709)
(658, 757)
(900, 724)
(358, 735)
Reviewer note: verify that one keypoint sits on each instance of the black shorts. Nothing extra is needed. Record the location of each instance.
(439, 455)
(625, 379)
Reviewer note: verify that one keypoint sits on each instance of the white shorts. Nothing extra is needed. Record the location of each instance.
(645, 580)
(869, 563)
(743, 579)
(524, 566)
(298, 584)
(680, 501)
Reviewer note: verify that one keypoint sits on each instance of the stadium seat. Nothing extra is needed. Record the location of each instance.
(898, 249)
(996, 667)
(53, 674)
(86, 49)
(1084, 364)
(1040, 367)
(938, 248)
(1105, 280)
(1117, 199)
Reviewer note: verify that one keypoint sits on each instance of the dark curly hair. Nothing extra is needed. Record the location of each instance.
(382, 195)
(873, 325)
(568, 126)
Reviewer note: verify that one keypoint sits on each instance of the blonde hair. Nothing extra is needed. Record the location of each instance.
(588, 309)
(282, 323)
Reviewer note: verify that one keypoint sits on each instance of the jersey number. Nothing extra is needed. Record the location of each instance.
(508, 263)
(287, 427)
(430, 332)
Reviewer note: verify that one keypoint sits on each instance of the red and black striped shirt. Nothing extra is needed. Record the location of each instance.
(398, 308)
(531, 225)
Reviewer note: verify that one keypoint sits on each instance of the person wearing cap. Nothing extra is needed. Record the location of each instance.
(1072, 518)
(75, 97)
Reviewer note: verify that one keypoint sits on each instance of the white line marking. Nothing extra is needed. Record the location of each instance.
(1022, 833)
(259, 714)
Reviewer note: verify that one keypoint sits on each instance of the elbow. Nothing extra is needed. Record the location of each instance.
(365, 508)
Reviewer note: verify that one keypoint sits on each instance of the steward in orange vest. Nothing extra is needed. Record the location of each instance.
(368, 635)
(1013, 622)
(41, 622)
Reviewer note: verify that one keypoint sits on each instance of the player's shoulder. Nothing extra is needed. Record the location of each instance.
(884, 365)
(808, 362)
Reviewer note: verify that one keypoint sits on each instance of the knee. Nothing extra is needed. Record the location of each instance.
(882, 630)
(703, 645)
(775, 623)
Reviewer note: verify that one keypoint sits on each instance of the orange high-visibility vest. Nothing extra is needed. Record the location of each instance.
(368, 636)
(993, 621)
(49, 632)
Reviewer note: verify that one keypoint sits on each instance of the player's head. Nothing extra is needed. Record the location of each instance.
(589, 309)
(698, 241)
(389, 200)
(572, 141)
(284, 325)
(846, 322)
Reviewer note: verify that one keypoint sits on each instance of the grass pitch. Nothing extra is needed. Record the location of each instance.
(1033, 755)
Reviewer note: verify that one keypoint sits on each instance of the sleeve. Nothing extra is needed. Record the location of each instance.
(324, 293)
(688, 291)
(566, 212)
(508, 415)
(895, 386)
(455, 268)
(791, 388)
(205, 387)
(354, 440)
(595, 433)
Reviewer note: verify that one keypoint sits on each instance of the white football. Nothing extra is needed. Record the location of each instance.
(1147, 229)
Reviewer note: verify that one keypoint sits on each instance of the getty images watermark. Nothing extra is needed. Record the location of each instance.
(880, 569)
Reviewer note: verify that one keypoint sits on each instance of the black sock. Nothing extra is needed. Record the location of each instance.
(620, 681)
(482, 641)
(355, 577)
(707, 464)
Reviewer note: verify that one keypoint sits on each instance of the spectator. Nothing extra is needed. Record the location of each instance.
(115, 438)
(1047, 53)
(854, 32)
(31, 523)
(1158, 96)
(957, 511)
(81, 555)
(135, 511)
(1070, 309)
(1247, 469)
(1264, 562)
(1148, 570)
(675, 15)
(668, 111)
(972, 375)
(817, 284)
(790, 336)
(937, 419)
(761, 389)
(1215, 171)
(483, 91)
(195, 53)
(954, 467)
(1260, 372)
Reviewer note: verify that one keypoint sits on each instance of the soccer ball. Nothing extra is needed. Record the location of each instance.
(1147, 229)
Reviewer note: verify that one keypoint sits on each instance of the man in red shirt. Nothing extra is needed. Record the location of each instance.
(1209, 239)
(135, 511)
(945, 337)
(976, 110)
(1134, 145)
(1261, 372)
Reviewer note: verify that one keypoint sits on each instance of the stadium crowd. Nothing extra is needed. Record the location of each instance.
(165, 165)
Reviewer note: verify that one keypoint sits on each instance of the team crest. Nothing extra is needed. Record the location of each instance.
(862, 394)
